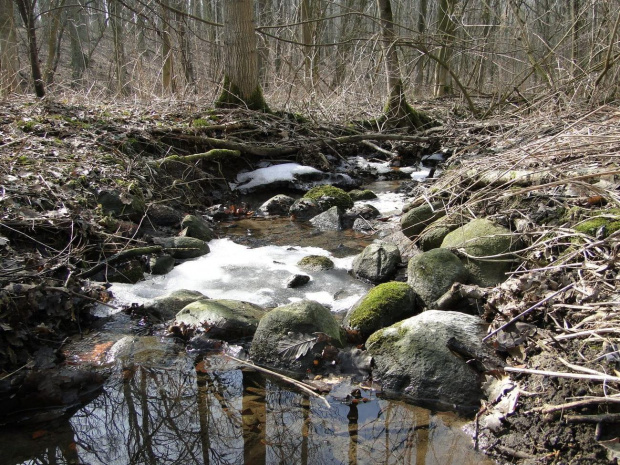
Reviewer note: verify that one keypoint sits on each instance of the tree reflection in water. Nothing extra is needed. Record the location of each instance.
(214, 412)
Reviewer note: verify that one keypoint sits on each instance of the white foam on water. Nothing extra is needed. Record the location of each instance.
(258, 275)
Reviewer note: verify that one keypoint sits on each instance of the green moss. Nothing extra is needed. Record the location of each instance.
(384, 305)
(201, 123)
(384, 336)
(366, 194)
(329, 196)
(231, 98)
(605, 222)
(316, 263)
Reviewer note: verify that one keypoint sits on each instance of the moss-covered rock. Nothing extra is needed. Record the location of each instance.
(316, 263)
(383, 306)
(197, 228)
(329, 196)
(359, 194)
(301, 320)
(122, 205)
(129, 272)
(377, 262)
(483, 238)
(432, 273)
(165, 307)
(416, 219)
(225, 319)
(161, 264)
(433, 235)
(412, 358)
(601, 224)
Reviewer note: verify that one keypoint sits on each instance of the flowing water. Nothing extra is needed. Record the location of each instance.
(163, 405)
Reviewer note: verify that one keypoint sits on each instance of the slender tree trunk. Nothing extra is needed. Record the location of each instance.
(398, 113)
(184, 46)
(9, 62)
(53, 40)
(26, 11)
(421, 26)
(167, 73)
(241, 86)
(119, 47)
(446, 29)
(78, 34)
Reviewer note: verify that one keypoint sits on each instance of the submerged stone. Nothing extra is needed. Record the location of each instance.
(287, 337)
(412, 359)
(222, 318)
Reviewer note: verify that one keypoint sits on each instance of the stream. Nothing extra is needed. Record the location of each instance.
(163, 405)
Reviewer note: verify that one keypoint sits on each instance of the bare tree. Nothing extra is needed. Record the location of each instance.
(26, 10)
(241, 85)
(9, 61)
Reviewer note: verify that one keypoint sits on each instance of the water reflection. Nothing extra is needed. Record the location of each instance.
(214, 412)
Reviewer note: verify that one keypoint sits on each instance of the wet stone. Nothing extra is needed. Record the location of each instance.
(298, 280)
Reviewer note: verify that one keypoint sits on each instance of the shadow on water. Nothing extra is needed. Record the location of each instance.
(212, 411)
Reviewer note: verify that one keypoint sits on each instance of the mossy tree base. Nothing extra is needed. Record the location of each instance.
(231, 98)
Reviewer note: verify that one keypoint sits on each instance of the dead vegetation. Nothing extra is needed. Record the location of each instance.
(555, 182)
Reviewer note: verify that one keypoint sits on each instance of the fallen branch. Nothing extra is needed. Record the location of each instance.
(303, 386)
(211, 155)
(123, 255)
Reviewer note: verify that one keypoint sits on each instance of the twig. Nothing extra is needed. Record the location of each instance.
(590, 332)
(575, 404)
(525, 312)
(378, 149)
(561, 374)
(603, 418)
(303, 386)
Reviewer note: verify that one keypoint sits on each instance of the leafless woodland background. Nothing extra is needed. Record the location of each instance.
(320, 56)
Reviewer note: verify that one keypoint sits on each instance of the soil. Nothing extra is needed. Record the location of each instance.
(57, 159)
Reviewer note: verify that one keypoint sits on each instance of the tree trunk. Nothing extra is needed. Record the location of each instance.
(26, 11)
(79, 42)
(119, 47)
(241, 86)
(56, 29)
(398, 113)
(446, 27)
(422, 61)
(167, 72)
(9, 63)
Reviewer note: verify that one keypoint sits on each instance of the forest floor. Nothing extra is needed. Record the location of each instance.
(551, 176)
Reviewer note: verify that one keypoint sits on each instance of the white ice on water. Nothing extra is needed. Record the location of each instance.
(257, 275)
(270, 174)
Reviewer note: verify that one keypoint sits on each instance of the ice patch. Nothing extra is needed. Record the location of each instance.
(259, 275)
(269, 175)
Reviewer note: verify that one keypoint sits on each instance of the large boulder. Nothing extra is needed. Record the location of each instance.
(365, 194)
(383, 306)
(432, 273)
(197, 228)
(290, 337)
(377, 262)
(183, 247)
(161, 264)
(483, 238)
(163, 215)
(433, 235)
(412, 358)
(329, 220)
(277, 205)
(417, 218)
(225, 319)
(165, 307)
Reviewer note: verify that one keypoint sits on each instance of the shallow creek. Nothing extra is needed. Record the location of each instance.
(164, 405)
